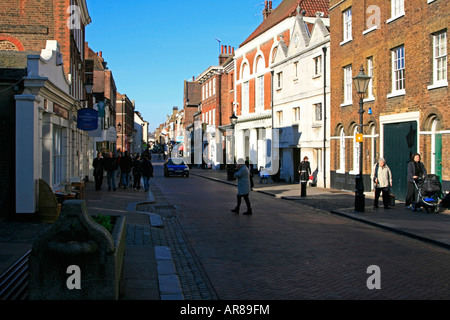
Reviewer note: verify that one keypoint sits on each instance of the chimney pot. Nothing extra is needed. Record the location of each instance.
(101, 54)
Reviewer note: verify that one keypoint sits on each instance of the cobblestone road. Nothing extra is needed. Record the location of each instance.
(286, 250)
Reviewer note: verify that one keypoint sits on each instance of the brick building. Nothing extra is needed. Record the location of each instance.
(403, 46)
(104, 92)
(48, 38)
(124, 122)
(216, 105)
(253, 80)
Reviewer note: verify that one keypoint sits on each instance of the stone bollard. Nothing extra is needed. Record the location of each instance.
(77, 259)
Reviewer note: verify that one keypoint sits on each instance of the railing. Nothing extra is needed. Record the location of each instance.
(14, 281)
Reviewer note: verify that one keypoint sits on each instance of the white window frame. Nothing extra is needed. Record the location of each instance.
(214, 85)
(317, 66)
(259, 94)
(279, 80)
(295, 70)
(341, 151)
(58, 156)
(245, 97)
(398, 57)
(296, 113)
(279, 118)
(318, 106)
(397, 10)
(370, 96)
(347, 26)
(348, 86)
(356, 148)
(439, 59)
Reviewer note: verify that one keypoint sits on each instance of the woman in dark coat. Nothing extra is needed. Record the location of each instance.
(416, 170)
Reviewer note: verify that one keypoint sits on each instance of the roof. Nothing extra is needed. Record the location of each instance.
(286, 9)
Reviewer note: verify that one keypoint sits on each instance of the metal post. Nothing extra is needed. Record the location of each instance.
(324, 49)
(359, 191)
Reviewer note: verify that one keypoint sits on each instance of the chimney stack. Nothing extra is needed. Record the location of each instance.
(267, 9)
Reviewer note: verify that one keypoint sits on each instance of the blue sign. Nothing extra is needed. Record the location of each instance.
(87, 119)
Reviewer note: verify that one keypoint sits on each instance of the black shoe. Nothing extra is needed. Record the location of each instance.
(235, 210)
(248, 212)
(387, 207)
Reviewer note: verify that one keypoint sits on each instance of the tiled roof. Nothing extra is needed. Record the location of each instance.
(286, 9)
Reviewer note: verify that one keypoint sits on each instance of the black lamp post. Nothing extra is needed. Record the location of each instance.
(231, 167)
(361, 82)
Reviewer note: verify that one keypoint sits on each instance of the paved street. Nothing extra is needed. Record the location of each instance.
(288, 250)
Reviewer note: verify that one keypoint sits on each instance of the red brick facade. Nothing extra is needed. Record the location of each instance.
(381, 35)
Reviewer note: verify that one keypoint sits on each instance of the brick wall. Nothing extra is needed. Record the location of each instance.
(414, 31)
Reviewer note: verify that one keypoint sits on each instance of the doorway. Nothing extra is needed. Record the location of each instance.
(399, 143)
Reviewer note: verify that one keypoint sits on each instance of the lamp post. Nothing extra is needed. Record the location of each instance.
(361, 82)
(123, 122)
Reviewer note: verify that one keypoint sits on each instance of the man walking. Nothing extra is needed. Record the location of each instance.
(243, 177)
(98, 165)
(125, 168)
(382, 179)
(111, 167)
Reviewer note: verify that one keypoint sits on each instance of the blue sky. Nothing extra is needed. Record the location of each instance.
(153, 46)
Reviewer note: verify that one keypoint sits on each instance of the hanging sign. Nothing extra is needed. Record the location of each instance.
(87, 119)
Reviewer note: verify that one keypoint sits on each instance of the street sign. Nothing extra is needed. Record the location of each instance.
(87, 119)
(359, 137)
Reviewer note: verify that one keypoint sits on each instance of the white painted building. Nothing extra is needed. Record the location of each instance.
(300, 102)
(48, 143)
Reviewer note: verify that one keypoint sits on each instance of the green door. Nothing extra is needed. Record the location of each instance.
(400, 142)
(438, 156)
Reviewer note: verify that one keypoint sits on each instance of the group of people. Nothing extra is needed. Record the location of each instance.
(123, 166)
(382, 178)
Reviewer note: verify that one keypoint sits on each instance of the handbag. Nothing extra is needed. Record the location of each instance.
(391, 198)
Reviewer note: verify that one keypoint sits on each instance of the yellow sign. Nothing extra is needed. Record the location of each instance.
(359, 137)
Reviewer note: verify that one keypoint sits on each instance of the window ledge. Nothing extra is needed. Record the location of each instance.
(345, 41)
(369, 99)
(398, 93)
(354, 173)
(370, 30)
(317, 76)
(395, 18)
(346, 104)
(340, 171)
(438, 85)
(430, 1)
(316, 125)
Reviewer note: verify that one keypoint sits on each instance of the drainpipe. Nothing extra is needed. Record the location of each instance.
(324, 49)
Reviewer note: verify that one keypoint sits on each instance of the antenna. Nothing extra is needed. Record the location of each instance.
(218, 40)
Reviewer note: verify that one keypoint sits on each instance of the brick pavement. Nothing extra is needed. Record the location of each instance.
(288, 251)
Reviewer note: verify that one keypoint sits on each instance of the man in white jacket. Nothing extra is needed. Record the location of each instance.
(243, 177)
(382, 179)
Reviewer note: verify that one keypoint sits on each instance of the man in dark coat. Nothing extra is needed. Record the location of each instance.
(305, 171)
(125, 168)
(111, 166)
(98, 165)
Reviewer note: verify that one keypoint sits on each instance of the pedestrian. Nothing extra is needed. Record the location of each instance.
(147, 172)
(304, 169)
(98, 165)
(243, 177)
(111, 166)
(416, 171)
(137, 172)
(125, 168)
(382, 179)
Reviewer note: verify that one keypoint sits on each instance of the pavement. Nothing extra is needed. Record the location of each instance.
(154, 240)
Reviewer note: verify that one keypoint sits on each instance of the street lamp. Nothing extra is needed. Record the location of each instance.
(361, 82)
(233, 120)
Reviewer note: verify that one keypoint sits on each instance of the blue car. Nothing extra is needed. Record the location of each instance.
(175, 167)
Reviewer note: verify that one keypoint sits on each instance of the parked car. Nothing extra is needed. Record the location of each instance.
(176, 167)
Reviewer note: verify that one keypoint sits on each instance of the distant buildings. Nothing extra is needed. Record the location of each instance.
(290, 84)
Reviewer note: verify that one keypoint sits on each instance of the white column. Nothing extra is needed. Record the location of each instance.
(27, 154)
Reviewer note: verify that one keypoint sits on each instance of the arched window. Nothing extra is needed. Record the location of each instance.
(341, 150)
(245, 89)
(356, 148)
(436, 146)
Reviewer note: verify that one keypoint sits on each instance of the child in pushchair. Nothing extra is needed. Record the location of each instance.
(429, 192)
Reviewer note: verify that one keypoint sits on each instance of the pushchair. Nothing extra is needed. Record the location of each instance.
(429, 193)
